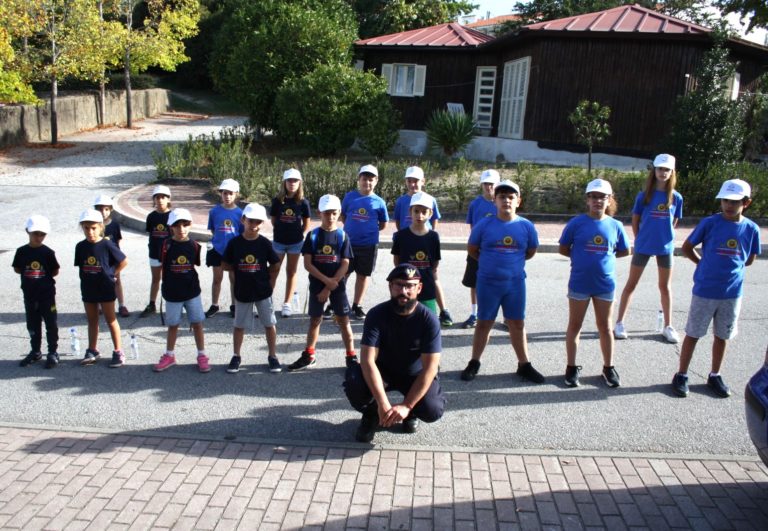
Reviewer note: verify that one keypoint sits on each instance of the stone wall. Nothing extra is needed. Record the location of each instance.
(20, 124)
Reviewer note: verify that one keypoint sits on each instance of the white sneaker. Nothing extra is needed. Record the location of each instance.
(670, 334)
(287, 312)
(619, 332)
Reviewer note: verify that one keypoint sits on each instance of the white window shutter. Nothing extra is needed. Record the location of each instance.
(386, 73)
(419, 80)
(514, 94)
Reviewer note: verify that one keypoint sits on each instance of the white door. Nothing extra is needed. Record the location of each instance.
(513, 95)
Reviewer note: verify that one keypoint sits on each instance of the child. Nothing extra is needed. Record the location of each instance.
(364, 214)
(37, 265)
(501, 245)
(481, 207)
(593, 241)
(103, 203)
(247, 256)
(224, 224)
(327, 253)
(729, 242)
(157, 227)
(414, 182)
(181, 289)
(100, 261)
(290, 222)
(657, 210)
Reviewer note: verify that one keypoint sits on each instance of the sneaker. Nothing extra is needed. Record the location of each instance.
(202, 363)
(572, 373)
(410, 425)
(149, 310)
(32, 357)
(670, 334)
(328, 313)
(91, 357)
(302, 363)
(471, 322)
(166, 361)
(287, 311)
(680, 384)
(358, 312)
(367, 428)
(717, 384)
(118, 359)
(51, 360)
(213, 310)
(234, 365)
(527, 372)
(469, 373)
(351, 361)
(232, 311)
(619, 332)
(123, 311)
(445, 318)
(611, 377)
(274, 365)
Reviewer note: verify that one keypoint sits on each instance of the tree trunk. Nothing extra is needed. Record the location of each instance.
(128, 97)
(54, 117)
(589, 162)
(102, 101)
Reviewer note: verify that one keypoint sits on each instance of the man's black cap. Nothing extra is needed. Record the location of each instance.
(404, 272)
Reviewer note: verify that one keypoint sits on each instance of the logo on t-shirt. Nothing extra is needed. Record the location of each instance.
(506, 245)
(419, 260)
(34, 270)
(289, 212)
(729, 248)
(160, 231)
(91, 265)
(661, 211)
(597, 245)
(249, 264)
(360, 215)
(326, 256)
(181, 260)
(181, 265)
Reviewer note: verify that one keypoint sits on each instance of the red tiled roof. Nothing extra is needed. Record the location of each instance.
(493, 21)
(451, 34)
(623, 19)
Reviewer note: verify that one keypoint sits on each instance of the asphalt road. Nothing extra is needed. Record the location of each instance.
(497, 410)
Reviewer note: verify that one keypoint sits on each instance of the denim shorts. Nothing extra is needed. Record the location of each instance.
(154, 262)
(607, 296)
(288, 248)
(194, 309)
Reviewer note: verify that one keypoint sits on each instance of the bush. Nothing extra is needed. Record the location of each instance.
(449, 131)
(700, 188)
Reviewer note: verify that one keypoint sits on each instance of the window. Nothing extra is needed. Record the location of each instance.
(485, 87)
(733, 87)
(514, 92)
(404, 79)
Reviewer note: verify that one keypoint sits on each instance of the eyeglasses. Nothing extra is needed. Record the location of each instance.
(406, 286)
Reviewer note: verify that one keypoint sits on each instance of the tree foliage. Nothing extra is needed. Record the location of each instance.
(449, 131)
(754, 10)
(590, 125)
(381, 17)
(16, 22)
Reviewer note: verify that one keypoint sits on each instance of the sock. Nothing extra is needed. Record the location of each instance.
(714, 374)
(235, 354)
(474, 309)
(351, 353)
(201, 353)
(170, 353)
(310, 351)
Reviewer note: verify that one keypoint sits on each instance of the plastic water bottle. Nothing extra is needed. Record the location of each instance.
(660, 321)
(74, 342)
(295, 302)
(134, 347)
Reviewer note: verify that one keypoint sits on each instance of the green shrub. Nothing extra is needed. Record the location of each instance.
(449, 131)
(699, 190)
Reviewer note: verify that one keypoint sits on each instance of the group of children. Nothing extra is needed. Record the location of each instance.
(500, 243)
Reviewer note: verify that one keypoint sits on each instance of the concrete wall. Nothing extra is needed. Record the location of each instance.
(32, 123)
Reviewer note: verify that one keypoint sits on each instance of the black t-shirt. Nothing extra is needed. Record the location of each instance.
(289, 219)
(422, 252)
(250, 259)
(401, 339)
(113, 232)
(97, 263)
(37, 265)
(180, 281)
(159, 231)
(328, 249)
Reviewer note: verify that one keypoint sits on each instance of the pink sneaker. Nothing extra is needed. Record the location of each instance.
(202, 363)
(166, 360)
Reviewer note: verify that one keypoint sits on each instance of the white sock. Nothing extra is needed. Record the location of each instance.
(171, 353)
(201, 353)
(474, 309)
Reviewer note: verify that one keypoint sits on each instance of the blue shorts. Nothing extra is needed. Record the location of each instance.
(509, 296)
(287, 248)
(194, 309)
(575, 295)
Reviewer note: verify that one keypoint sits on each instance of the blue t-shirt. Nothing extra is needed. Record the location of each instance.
(657, 232)
(594, 244)
(480, 208)
(362, 215)
(503, 245)
(725, 247)
(403, 212)
(224, 224)
(422, 252)
(328, 250)
(289, 219)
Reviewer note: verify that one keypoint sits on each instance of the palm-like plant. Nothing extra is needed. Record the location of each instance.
(450, 131)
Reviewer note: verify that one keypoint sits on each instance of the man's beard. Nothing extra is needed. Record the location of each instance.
(404, 308)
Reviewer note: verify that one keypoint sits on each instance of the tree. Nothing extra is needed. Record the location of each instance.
(755, 10)
(590, 125)
(16, 22)
(381, 17)
(449, 131)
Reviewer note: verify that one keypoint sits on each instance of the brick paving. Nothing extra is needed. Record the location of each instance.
(73, 480)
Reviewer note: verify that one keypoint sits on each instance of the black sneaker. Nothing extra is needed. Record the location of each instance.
(527, 372)
(51, 360)
(717, 384)
(469, 373)
(29, 359)
(234, 365)
(149, 310)
(680, 384)
(357, 312)
(274, 365)
(118, 359)
(328, 313)
(410, 425)
(351, 361)
(367, 428)
(302, 363)
(572, 373)
(445, 318)
(611, 377)
(213, 310)
(232, 311)
(91, 357)
(471, 322)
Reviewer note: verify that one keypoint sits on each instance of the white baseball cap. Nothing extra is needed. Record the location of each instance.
(179, 214)
(506, 183)
(38, 223)
(103, 200)
(368, 168)
(490, 176)
(601, 186)
(414, 172)
(329, 202)
(91, 215)
(422, 199)
(292, 173)
(664, 161)
(229, 185)
(734, 189)
(161, 189)
(255, 211)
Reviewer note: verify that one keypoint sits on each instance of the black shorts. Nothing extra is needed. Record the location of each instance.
(337, 299)
(363, 260)
(213, 258)
(470, 273)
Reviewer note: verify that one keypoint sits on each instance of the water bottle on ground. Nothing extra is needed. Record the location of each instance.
(296, 303)
(660, 321)
(134, 347)
(74, 342)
